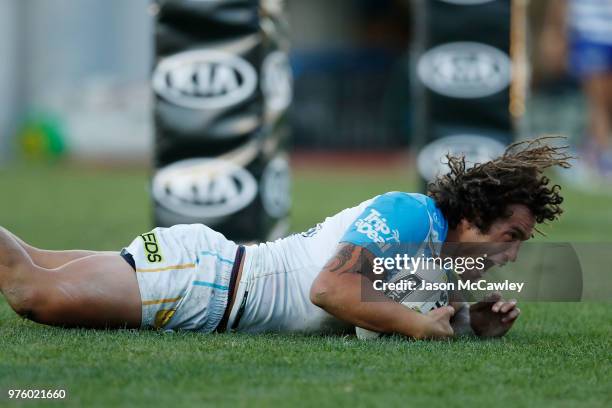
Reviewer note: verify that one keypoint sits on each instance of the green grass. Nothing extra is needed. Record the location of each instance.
(557, 355)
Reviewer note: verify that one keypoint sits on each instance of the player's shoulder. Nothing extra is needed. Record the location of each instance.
(412, 210)
(398, 217)
(400, 198)
(404, 204)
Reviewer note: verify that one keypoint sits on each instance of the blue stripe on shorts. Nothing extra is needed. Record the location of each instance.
(210, 285)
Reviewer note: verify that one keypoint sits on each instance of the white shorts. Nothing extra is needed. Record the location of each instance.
(184, 275)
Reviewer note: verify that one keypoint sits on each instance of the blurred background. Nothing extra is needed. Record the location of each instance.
(77, 128)
(86, 67)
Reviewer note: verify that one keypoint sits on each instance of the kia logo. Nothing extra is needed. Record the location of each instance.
(204, 79)
(432, 161)
(465, 70)
(204, 188)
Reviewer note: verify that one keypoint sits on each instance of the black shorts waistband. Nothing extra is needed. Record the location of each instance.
(128, 258)
(231, 290)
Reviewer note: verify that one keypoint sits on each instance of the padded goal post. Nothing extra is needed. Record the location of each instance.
(469, 71)
(223, 85)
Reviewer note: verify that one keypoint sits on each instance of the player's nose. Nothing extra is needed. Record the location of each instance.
(512, 252)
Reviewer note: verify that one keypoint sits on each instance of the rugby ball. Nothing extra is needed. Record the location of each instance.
(422, 298)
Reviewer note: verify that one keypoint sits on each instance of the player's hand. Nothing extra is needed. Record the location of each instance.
(493, 316)
(440, 327)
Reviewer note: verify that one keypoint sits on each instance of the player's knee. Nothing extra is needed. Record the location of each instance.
(36, 302)
(26, 300)
(41, 306)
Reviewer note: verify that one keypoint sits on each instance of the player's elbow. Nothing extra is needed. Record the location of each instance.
(322, 292)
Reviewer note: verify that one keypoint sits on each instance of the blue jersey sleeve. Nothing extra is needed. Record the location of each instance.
(391, 221)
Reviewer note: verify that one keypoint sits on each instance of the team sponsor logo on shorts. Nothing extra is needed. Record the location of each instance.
(375, 228)
(162, 317)
(204, 79)
(204, 188)
(465, 70)
(151, 246)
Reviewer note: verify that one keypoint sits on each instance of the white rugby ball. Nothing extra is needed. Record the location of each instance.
(419, 300)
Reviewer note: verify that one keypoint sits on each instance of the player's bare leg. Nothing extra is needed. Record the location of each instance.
(51, 259)
(97, 291)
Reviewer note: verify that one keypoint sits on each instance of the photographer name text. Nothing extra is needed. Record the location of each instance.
(479, 285)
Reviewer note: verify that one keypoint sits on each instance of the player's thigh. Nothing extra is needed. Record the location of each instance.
(97, 291)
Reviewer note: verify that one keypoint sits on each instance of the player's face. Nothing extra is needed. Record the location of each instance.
(502, 241)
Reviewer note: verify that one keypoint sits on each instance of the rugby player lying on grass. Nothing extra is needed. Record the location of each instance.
(191, 277)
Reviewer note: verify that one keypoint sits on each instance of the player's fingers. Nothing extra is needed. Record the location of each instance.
(497, 306)
(512, 316)
(507, 306)
(447, 311)
(450, 310)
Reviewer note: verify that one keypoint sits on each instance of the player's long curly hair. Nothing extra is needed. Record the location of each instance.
(482, 194)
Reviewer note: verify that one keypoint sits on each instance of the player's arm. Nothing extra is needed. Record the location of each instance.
(343, 284)
(461, 319)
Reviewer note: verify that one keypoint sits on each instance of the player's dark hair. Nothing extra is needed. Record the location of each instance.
(481, 194)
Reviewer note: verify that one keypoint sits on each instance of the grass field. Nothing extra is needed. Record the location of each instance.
(557, 355)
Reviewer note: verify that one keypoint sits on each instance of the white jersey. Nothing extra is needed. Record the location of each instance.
(591, 20)
(184, 272)
(274, 292)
